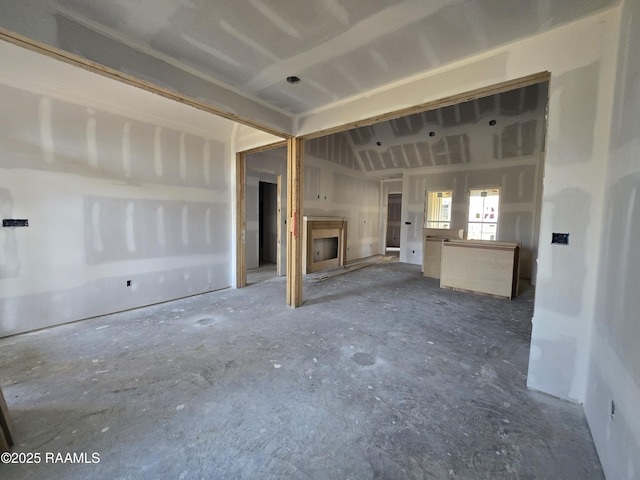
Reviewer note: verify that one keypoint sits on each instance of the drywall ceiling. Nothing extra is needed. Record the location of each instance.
(501, 127)
(338, 48)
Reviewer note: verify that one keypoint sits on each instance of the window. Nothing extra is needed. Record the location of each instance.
(437, 210)
(483, 214)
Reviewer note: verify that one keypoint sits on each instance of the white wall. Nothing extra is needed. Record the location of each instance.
(334, 190)
(117, 184)
(614, 357)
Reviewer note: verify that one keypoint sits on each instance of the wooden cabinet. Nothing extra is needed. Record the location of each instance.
(481, 266)
(432, 239)
(432, 256)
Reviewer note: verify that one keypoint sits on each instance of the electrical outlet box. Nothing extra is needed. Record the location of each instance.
(560, 238)
(15, 222)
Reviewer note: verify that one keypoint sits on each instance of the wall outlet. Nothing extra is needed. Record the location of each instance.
(128, 283)
(613, 409)
(560, 238)
(15, 222)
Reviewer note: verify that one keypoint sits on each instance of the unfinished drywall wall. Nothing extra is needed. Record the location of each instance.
(580, 57)
(333, 148)
(519, 203)
(334, 190)
(613, 392)
(128, 195)
(504, 138)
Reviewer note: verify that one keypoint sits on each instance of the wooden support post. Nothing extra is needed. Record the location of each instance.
(295, 172)
(6, 436)
(241, 222)
(280, 270)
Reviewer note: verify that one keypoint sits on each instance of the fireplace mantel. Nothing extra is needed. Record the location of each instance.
(320, 234)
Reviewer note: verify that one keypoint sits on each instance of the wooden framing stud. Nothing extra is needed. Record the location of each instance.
(295, 147)
(241, 222)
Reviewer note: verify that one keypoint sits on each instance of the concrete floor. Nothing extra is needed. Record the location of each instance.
(380, 375)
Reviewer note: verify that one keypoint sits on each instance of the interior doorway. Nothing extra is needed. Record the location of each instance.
(394, 215)
(261, 210)
(267, 224)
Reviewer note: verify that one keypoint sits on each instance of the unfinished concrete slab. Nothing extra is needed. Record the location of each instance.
(381, 374)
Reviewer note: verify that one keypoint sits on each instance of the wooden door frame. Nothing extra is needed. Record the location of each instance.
(241, 212)
(280, 271)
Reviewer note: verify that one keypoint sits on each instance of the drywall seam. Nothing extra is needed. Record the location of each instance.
(464, 167)
(115, 35)
(407, 93)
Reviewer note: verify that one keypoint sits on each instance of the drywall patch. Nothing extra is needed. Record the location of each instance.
(92, 142)
(627, 114)
(126, 149)
(206, 162)
(119, 229)
(355, 191)
(46, 130)
(618, 302)
(312, 178)
(572, 115)
(9, 253)
(556, 358)
(157, 151)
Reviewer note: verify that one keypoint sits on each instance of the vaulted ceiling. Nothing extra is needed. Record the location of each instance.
(338, 48)
(503, 127)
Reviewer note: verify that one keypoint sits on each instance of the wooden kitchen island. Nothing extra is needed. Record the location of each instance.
(481, 266)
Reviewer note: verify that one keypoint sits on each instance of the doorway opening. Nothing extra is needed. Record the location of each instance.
(394, 216)
(262, 206)
(267, 224)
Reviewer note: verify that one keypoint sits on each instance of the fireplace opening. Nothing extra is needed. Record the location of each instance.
(325, 249)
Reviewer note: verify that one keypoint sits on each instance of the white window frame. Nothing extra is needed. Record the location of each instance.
(431, 211)
(489, 233)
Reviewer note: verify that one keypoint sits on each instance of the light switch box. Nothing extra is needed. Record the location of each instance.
(15, 222)
(560, 238)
